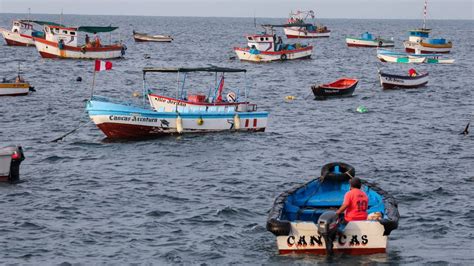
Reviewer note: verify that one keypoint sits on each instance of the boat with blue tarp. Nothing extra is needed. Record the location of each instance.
(368, 40)
(304, 220)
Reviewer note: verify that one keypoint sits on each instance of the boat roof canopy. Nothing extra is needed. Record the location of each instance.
(287, 25)
(40, 22)
(96, 29)
(197, 69)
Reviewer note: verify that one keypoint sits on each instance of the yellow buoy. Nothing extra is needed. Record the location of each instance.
(179, 124)
(290, 97)
(236, 122)
(200, 121)
(136, 94)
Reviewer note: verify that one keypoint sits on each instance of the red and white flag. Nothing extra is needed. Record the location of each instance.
(102, 65)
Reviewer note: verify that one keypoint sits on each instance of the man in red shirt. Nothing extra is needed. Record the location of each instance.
(355, 202)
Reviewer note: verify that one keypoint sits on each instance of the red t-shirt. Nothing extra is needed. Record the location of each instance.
(357, 203)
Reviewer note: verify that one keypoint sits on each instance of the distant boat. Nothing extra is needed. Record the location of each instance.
(143, 37)
(419, 41)
(343, 87)
(368, 40)
(298, 28)
(62, 42)
(393, 81)
(266, 47)
(15, 87)
(23, 31)
(401, 57)
(303, 218)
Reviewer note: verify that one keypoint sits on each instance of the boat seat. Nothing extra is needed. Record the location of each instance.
(326, 199)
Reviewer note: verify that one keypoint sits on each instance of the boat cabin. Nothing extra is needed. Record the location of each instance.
(262, 42)
(418, 35)
(22, 27)
(367, 36)
(56, 33)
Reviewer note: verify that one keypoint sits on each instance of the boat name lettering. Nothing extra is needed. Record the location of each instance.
(395, 79)
(132, 118)
(170, 101)
(317, 240)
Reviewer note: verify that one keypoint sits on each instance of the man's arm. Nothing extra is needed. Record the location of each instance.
(342, 209)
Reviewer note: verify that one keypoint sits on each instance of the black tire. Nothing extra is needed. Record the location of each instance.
(283, 57)
(380, 43)
(347, 172)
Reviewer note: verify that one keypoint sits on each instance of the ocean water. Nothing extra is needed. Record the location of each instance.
(204, 199)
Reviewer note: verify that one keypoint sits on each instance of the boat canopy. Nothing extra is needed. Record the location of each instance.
(287, 25)
(197, 69)
(96, 29)
(40, 22)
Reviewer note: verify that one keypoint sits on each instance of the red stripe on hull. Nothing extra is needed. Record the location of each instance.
(4, 179)
(409, 50)
(350, 251)
(124, 131)
(369, 46)
(15, 43)
(48, 55)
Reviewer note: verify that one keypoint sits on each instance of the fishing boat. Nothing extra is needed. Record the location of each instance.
(10, 160)
(20, 34)
(368, 40)
(266, 47)
(420, 42)
(343, 87)
(127, 121)
(297, 28)
(394, 81)
(15, 87)
(401, 57)
(303, 219)
(62, 42)
(197, 101)
(143, 37)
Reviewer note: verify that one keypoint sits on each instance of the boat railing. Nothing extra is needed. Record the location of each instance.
(246, 107)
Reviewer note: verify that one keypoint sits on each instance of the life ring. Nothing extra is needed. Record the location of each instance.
(380, 43)
(231, 97)
(283, 57)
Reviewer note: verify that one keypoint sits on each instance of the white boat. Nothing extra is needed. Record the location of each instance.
(420, 42)
(199, 101)
(400, 58)
(297, 28)
(267, 48)
(368, 40)
(62, 42)
(15, 87)
(393, 81)
(10, 160)
(20, 34)
(143, 37)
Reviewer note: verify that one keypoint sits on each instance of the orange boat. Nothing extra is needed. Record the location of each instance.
(343, 87)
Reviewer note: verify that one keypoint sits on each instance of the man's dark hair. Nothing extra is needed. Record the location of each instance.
(356, 183)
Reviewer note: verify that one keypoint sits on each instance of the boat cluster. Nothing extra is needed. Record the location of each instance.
(303, 218)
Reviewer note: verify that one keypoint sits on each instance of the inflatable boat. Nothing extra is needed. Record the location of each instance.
(304, 220)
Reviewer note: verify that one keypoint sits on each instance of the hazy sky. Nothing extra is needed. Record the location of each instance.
(402, 9)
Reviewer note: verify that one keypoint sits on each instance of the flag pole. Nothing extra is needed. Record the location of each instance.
(93, 84)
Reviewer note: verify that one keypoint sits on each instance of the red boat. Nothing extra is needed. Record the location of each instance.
(343, 87)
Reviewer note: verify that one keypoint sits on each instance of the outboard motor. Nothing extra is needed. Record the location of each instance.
(327, 228)
(10, 160)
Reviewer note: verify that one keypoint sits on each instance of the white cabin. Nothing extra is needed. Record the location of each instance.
(262, 42)
(22, 27)
(57, 33)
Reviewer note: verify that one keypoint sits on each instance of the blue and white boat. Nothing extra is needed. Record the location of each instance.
(304, 221)
(127, 121)
(368, 40)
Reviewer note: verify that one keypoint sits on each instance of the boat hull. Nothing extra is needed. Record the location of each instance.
(322, 92)
(400, 59)
(301, 53)
(358, 238)
(48, 49)
(389, 81)
(16, 39)
(152, 39)
(416, 47)
(119, 121)
(14, 89)
(296, 32)
(355, 42)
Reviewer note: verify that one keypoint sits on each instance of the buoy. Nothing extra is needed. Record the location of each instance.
(136, 94)
(200, 121)
(78, 79)
(179, 124)
(236, 122)
(362, 109)
(290, 97)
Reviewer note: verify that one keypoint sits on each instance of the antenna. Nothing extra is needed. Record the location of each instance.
(61, 17)
(29, 13)
(424, 14)
(254, 19)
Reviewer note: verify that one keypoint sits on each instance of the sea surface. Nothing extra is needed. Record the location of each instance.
(204, 199)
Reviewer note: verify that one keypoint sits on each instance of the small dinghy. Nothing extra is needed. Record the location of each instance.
(343, 87)
(10, 160)
(143, 37)
(412, 80)
(304, 221)
(15, 87)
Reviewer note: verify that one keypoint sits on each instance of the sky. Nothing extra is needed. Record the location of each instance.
(363, 9)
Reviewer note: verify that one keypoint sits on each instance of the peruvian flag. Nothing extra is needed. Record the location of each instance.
(102, 65)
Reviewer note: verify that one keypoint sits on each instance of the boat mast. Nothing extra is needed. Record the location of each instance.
(424, 14)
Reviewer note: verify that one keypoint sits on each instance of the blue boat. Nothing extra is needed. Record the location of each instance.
(304, 221)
